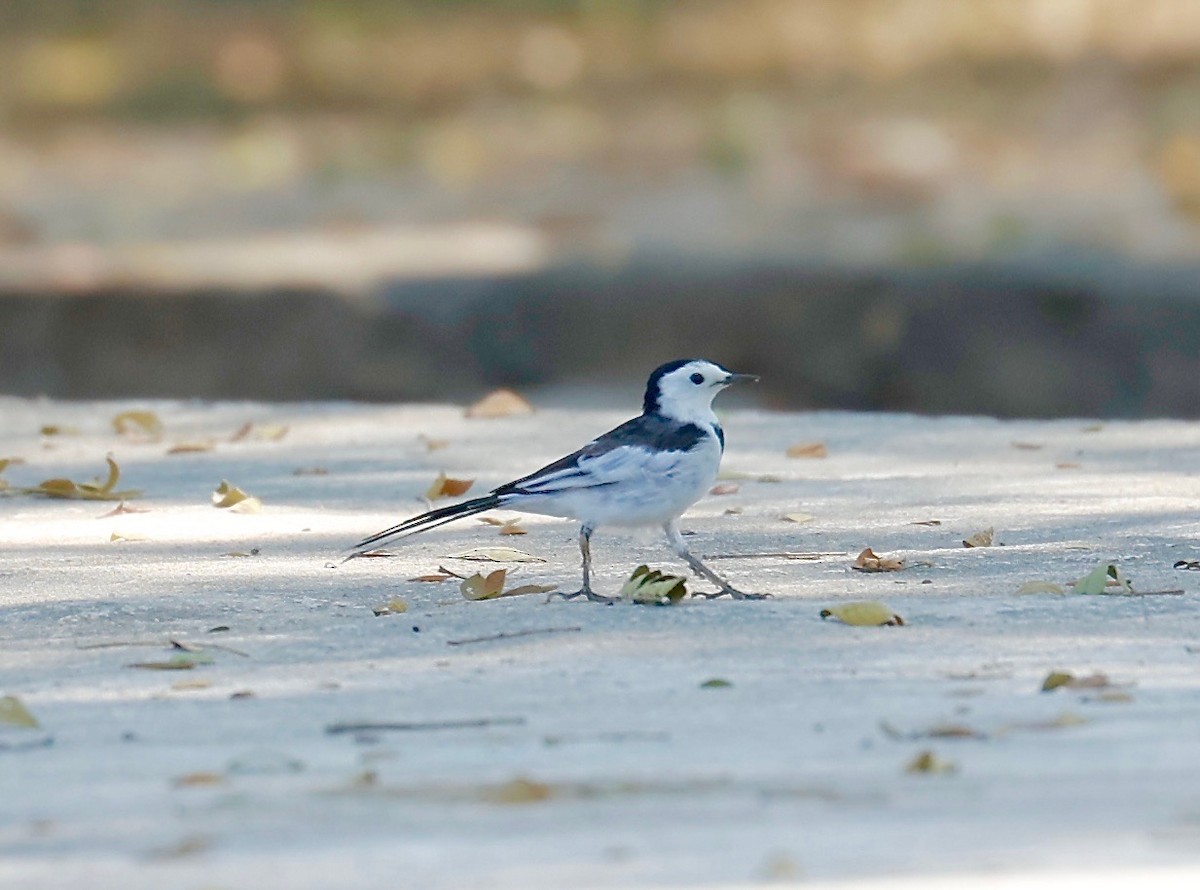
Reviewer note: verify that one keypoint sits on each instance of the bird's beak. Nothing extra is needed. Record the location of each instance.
(740, 378)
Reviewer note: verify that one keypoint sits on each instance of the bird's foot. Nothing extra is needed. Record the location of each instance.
(591, 595)
(733, 592)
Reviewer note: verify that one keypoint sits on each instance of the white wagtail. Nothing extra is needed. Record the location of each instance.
(647, 471)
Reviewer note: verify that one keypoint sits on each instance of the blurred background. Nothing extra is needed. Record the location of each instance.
(983, 206)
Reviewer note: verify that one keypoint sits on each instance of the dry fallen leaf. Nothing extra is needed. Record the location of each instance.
(491, 586)
(444, 487)
(88, 491)
(863, 614)
(14, 713)
(181, 661)
(808, 450)
(230, 497)
(517, 791)
(1067, 465)
(1040, 587)
(121, 509)
(265, 432)
(191, 447)
(435, 578)
(647, 587)
(930, 522)
(928, 763)
(500, 403)
(504, 526)
(1027, 446)
(198, 780)
(1066, 679)
(937, 731)
(53, 429)
(310, 471)
(121, 536)
(797, 517)
(496, 554)
(394, 606)
(870, 561)
(980, 539)
(145, 423)
(722, 488)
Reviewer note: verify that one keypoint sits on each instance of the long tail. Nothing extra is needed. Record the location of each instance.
(433, 519)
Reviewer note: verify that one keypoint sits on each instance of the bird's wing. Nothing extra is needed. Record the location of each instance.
(644, 446)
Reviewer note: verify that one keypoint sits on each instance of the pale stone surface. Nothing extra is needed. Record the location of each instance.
(647, 778)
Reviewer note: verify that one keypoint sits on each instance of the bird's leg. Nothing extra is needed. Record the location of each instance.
(585, 548)
(675, 539)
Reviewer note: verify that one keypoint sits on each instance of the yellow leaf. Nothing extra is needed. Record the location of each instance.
(144, 422)
(88, 491)
(980, 539)
(870, 561)
(56, 430)
(444, 487)
(928, 763)
(14, 713)
(394, 606)
(118, 536)
(797, 517)
(1040, 587)
(496, 554)
(500, 403)
(650, 587)
(480, 587)
(1066, 679)
(230, 497)
(811, 450)
(518, 791)
(863, 614)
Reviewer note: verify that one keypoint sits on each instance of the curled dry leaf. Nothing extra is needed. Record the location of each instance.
(928, 763)
(230, 497)
(980, 539)
(394, 606)
(496, 554)
(722, 488)
(650, 587)
(870, 561)
(504, 526)
(811, 450)
(500, 403)
(444, 487)
(869, 613)
(88, 491)
(144, 423)
(1040, 587)
(491, 586)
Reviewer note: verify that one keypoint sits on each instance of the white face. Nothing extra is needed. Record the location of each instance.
(688, 391)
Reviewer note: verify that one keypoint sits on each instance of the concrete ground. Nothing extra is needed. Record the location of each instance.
(583, 745)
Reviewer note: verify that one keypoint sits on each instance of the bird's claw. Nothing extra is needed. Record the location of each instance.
(733, 592)
(591, 595)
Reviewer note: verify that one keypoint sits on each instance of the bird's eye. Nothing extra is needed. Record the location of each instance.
(697, 379)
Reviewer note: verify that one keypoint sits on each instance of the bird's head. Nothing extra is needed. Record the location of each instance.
(683, 390)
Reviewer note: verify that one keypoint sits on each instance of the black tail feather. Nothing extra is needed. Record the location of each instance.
(433, 519)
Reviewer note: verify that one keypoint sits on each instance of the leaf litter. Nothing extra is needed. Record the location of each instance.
(870, 613)
(95, 490)
(870, 561)
(650, 587)
(491, 586)
(445, 487)
(229, 497)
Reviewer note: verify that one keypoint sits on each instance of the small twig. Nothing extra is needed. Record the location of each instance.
(1178, 592)
(782, 554)
(508, 635)
(340, 728)
(170, 644)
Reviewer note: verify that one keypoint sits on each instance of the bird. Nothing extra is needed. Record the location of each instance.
(645, 472)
